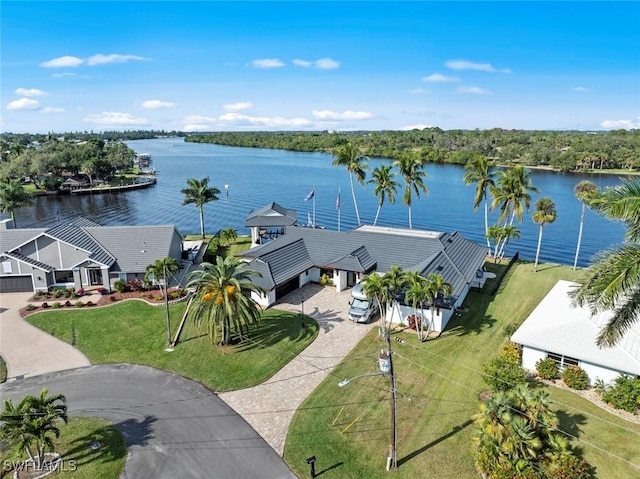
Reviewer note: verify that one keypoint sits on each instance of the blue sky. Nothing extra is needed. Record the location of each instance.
(239, 66)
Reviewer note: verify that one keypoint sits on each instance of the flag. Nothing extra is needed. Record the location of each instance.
(310, 195)
(338, 201)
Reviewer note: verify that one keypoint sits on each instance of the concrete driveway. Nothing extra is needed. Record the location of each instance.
(173, 427)
(270, 406)
(27, 350)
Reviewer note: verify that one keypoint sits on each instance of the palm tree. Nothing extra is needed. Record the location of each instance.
(544, 214)
(223, 298)
(480, 172)
(374, 287)
(34, 420)
(12, 196)
(583, 191)
(613, 279)
(495, 233)
(385, 186)
(198, 192)
(437, 287)
(161, 269)
(395, 282)
(228, 235)
(354, 160)
(417, 294)
(411, 169)
(509, 232)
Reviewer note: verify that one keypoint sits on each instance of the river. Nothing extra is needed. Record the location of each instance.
(257, 176)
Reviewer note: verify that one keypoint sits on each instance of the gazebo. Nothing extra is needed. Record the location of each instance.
(269, 222)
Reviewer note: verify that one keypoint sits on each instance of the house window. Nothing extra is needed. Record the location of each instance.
(63, 276)
(562, 361)
(6, 267)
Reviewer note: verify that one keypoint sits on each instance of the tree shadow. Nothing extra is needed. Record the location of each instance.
(271, 331)
(137, 433)
(571, 423)
(417, 452)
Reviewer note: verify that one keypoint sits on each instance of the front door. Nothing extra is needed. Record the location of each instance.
(351, 279)
(95, 277)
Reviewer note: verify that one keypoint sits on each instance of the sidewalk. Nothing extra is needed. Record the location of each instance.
(270, 406)
(27, 350)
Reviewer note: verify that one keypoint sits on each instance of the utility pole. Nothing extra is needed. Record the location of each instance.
(166, 304)
(386, 366)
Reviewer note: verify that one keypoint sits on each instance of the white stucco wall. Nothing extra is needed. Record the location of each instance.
(264, 300)
(440, 318)
(531, 356)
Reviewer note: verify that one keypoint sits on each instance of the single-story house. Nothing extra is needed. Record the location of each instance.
(81, 254)
(76, 181)
(303, 255)
(567, 333)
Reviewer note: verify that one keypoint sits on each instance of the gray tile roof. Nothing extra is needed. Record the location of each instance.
(282, 264)
(82, 222)
(135, 247)
(272, 214)
(359, 261)
(26, 259)
(80, 238)
(11, 239)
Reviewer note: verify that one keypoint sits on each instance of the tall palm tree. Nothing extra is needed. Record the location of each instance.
(353, 159)
(374, 288)
(159, 271)
(395, 282)
(480, 172)
(417, 294)
(33, 421)
(437, 288)
(385, 186)
(509, 232)
(411, 169)
(199, 193)
(613, 279)
(583, 191)
(12, 196)
(223, 298)
(544, 214)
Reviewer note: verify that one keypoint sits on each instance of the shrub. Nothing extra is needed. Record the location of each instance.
(69, 292)
(67, 303)
(159, 298)
(113, 298)
(30, 307)
(547, 368)
(102, 290)
(623, 393)
(174, 295)
(120, 286)
(88, 303)
(56, 305)
(45, 305)
(134, 285)
(501, 373)
(508, 471)
(80, 292)
(513, 352)
(78, 304)
(58, 293)
(325, 280)
(575, 377)
(568, 466)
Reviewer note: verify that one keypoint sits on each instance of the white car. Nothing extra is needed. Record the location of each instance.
(361, 309)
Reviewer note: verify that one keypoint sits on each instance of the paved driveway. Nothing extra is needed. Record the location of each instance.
(269, 407)
(27, 350)
(173, 427)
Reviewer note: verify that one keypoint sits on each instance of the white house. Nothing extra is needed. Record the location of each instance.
(566, 333)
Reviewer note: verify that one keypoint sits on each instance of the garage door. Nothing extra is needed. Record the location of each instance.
(16, 284)
(292, 284)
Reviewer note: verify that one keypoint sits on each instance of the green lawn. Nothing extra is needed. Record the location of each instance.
(242, 243)
(348, 429)
(80, 461)
(134, 332)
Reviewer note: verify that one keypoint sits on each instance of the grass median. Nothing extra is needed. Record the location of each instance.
(135, 332)
(348, 428)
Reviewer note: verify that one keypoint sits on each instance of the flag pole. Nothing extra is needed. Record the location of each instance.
(338, 206)
(314, 206)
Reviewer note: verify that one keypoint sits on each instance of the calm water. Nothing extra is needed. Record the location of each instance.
(258, 176)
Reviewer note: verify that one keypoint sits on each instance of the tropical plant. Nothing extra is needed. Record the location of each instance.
(32, 422)
(613, 279)
(385, 186)
(354, 160)
(160, 270)
(394, 281)
(411, 169)
(544, 214)
(547, 368)
(12, 196)
(228, 235)
(575, 377)
(480, 172)
(199, 193)
(623, 393)
(584, 191)
(501, 373)
(223, 298)
(436, 288)
(374, 287)
(417, 294)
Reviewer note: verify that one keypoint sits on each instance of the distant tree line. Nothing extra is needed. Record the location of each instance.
(560, 150)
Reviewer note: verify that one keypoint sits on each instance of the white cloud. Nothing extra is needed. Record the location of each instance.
(30, 92)
(53, 109)
(460, 65)
(417, 91)
(62, 62)
(346, 115)
(301, 63)
(23, 104)
(264, 121)
(320, 64)
(439, 78)
(156, 104)
(621, 124)
(415, 127)
(113, 118)
(200, 119)
(100, 59)
(241, 105)
(267, 63)
(580, 89)
(474, 90)
(195, 127)
(63, 75)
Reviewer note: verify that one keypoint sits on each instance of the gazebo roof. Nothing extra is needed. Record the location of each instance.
(272, 214)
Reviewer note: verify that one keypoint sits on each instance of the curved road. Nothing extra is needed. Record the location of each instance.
(173, 427)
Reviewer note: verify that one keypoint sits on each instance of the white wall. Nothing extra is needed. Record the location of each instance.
(264, 300)
(440, 319)
(531, 356)
(312, 277)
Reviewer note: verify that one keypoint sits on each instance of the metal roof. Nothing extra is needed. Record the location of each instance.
(13, 238)
(557, 326)
(272, 214)
(80, 238)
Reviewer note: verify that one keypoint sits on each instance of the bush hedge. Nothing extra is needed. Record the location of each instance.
(575, 377)
(547, 368)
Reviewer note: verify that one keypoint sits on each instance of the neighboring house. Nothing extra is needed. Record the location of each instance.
(269, 222)
(566, 333)
(81, 254)
(76, 181)
(303, 255)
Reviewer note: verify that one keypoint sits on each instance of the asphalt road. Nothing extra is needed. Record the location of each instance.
(173, 427)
